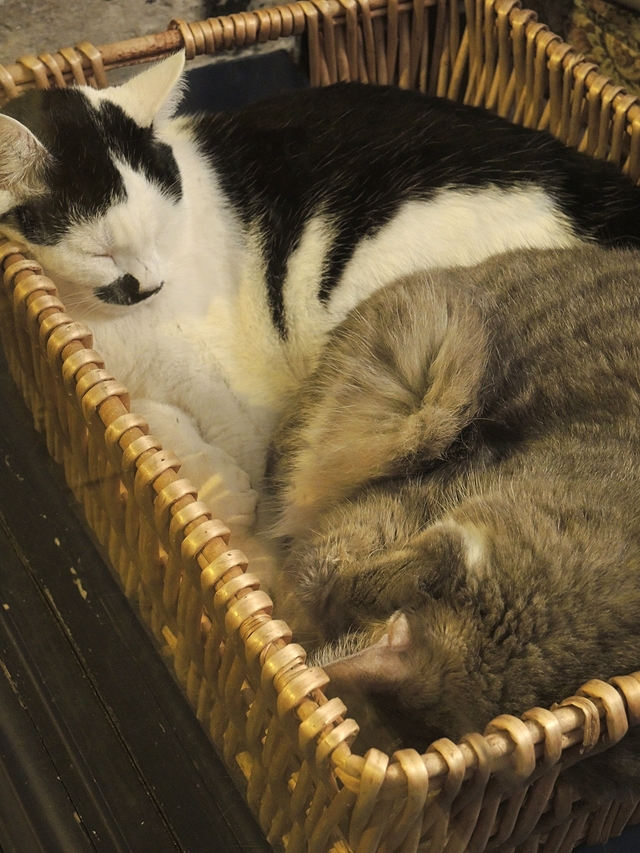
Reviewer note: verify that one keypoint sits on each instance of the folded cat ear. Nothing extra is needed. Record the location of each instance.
(448, 551)
(22, 160)
(152, 96)
(378, 668)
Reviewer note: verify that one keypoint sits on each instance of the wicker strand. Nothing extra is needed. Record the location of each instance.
(558, 55)
(37, 70)
(594, 102)
(53, 69)
(406, 829)
(436, 819)
(74, 64)
(94, 56)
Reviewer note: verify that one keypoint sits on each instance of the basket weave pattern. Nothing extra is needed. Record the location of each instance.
(287, 745)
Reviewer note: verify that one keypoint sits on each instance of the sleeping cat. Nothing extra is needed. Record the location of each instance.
(458, 488)
(211, 255)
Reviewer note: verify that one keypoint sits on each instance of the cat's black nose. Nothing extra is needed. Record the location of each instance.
(125, 291)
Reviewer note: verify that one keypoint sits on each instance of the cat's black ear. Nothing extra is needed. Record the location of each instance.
(152, 96)
(22, 162)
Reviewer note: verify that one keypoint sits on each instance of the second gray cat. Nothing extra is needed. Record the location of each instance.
(458, 490)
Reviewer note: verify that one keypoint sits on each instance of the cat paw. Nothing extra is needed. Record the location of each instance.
(223, 486)
(263, 557)
(221, 483)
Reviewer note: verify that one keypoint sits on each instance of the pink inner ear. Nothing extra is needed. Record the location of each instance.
(398, 632)
(378, 668)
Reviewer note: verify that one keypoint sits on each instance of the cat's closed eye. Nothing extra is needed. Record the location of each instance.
(106, 260)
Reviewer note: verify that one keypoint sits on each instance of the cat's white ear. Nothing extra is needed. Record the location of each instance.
(152, 96)
(22, 159)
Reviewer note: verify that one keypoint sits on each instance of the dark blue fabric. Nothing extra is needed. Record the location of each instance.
(628, 842)
(235, 83)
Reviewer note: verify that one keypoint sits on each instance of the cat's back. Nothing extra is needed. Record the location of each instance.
(417, 142)
(386, 120)
(565, 327)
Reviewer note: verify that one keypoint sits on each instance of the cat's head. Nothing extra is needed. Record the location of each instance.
(89, 189)
(432, 630)
(413, 672)
(488, 599)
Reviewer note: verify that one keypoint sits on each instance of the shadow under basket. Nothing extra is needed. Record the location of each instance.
(287, 746)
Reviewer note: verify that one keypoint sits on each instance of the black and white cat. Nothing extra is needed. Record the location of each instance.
(211, 255)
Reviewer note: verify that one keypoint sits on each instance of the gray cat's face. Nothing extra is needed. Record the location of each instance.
(87, 187)
(435, 628)
(391, 624)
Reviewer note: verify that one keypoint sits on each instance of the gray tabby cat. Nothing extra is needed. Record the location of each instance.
(459, 492)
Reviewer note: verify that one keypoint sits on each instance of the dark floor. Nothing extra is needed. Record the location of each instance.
(27, 26)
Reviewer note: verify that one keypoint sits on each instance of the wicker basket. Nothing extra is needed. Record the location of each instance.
(287, 746)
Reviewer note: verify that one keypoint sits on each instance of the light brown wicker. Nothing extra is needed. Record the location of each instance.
(287, 746)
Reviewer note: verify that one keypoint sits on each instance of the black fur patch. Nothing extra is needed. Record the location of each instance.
(356, 153)
(82, 178)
